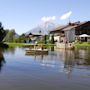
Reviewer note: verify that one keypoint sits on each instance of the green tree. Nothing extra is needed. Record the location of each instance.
(22, 39)
(52, 39)
(10, 36)
(2, 32)
(45, 39)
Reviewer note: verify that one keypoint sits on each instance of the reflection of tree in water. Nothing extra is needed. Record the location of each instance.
(87, 62)
(52, 48)
(10, 50)
(2, 60)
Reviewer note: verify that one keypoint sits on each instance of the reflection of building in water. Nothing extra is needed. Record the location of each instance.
(57, 58)
(64, 60)
(2, 61)
(69, 62)
(82, 56)
(84, 53)
(75, 57)
(40, 57)
(45, 60)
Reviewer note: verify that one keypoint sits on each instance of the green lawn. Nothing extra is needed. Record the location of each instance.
(79, 44)
(22, 44)
(16, 44)
(82, 44)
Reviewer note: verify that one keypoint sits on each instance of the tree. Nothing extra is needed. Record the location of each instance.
(22, 39)
(45, 39)
(10, 36)
(52, 39)
(2, 32)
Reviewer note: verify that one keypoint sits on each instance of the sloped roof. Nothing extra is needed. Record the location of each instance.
(41, 34)
(59, 28)
(69, 27)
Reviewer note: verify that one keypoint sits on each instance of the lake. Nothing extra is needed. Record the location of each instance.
(59, 70)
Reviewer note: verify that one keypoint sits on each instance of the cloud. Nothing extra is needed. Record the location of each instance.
(45, 19)
(66, 15)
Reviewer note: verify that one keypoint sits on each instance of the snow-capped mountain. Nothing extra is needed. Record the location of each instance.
(43, 28)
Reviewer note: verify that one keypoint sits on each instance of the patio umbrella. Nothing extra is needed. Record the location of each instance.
(84, 35)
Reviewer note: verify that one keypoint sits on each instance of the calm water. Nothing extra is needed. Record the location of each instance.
(59, 70)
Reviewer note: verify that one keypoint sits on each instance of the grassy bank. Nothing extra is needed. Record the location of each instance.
(3, 45)
(77, 44)
(22, 44)
(82, 44)
(17, 44)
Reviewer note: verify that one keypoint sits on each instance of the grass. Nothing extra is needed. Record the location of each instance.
(16, 44)
(77, 44)
(22, 44)
(82, 44)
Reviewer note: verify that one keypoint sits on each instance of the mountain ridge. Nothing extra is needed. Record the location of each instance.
(43, 28)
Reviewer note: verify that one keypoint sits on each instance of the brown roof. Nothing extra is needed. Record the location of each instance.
(59, 28)
(69, 26)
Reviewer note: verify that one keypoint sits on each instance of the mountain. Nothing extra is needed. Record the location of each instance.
(16, 35)
(43, 28)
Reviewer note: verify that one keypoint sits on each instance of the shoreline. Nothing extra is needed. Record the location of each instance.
(76, 44)
(4, 45)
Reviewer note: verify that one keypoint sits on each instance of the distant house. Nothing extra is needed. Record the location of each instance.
(35, 36)
(72, 32)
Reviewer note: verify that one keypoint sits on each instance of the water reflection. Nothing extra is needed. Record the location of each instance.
(83, 56)
(75, 57)
(52, 48)
(10, 50)
(45, 72)
(2, 60)
(70, 57)
(66, 60)
(69, 61)
(61, 59)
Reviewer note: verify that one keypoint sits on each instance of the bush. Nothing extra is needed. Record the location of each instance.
(41, 42)
(88, 42)
(80, 42)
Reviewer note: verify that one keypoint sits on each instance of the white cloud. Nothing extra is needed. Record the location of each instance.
(66, 15)
(53, 18)
(45, 19)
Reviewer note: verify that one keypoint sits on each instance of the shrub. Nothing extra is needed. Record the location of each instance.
(88, 42)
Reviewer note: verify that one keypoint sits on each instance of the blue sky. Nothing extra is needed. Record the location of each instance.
(23, 15)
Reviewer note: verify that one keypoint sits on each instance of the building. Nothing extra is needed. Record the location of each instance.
(35, 36)
(72, 32)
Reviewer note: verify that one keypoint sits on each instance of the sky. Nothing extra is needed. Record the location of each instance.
(23, 15)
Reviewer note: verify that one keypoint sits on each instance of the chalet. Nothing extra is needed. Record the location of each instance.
(71, 32)
(35, 36)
